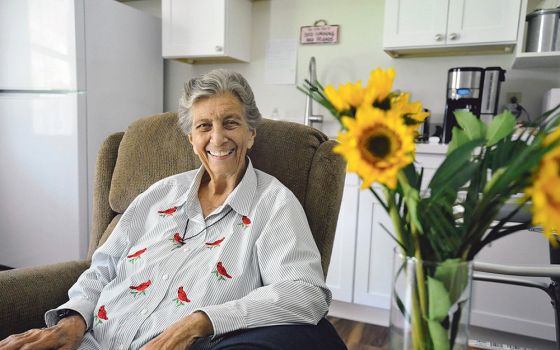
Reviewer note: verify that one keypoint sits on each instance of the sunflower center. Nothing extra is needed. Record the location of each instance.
(379, 145)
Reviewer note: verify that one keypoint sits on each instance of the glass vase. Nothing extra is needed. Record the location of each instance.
(430, 304)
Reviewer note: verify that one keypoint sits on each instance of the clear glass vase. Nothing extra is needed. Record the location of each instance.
(430, 304)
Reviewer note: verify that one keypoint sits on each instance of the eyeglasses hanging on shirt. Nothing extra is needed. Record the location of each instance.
(183, 238)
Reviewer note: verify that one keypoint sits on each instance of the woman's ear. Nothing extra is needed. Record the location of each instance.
(252, 139)
(189, 136)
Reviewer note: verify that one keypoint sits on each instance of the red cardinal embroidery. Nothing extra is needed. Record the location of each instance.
(181, 297)
(221, 272)
(101, 315)
(245, 221)
(133, 257)
(214, 244)
(141, 288)
(177, 240)
(167, 212)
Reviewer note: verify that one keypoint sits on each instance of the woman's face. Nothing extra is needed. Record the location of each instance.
(220, 135)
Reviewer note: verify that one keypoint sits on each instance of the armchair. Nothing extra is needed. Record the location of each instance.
(153, 148)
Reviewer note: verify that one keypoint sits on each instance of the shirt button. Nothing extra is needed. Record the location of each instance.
(164, 277)
(143, 312)
(185, 249)
(121, 347)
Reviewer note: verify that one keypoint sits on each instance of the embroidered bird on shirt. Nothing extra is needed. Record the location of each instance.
(214, 244)
(135, 256)
(181, 297)
(221, 272)
(245, 221)
(167, 212)
(101, 315)
(177, 240)
(140, 289)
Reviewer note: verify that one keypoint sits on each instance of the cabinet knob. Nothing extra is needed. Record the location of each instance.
(219, 48)
(438, 37)
(453, 36)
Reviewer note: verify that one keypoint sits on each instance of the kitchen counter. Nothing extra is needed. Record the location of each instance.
(432, 148)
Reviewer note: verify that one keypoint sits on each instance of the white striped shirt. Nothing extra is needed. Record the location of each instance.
(257, 265)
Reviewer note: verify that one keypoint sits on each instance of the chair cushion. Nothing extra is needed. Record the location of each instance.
(154, 147)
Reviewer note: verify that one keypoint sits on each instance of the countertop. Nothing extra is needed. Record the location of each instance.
(433, 148)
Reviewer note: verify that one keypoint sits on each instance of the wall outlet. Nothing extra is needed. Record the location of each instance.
(513, 97)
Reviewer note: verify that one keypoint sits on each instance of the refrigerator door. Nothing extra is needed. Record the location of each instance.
(38, 45)
(39, 153)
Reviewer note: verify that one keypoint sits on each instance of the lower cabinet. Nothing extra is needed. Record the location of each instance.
(362, 261)
(340, 278)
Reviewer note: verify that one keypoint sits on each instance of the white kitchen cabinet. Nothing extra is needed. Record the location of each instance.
(524, 59)
(420, 27)
(374, 254)
(340, 278)
(206, 30)
(374, 248)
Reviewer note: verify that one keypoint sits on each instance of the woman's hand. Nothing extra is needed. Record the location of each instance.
(182, 334)
(65, 335)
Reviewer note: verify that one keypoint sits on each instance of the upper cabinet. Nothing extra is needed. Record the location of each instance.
(524, 59)
(206, 30)
(417, 27)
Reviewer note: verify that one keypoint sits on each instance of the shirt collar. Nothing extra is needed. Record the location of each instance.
(239, 199)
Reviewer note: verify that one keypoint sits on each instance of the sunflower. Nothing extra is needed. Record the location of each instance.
(544, 192)
(347, 96)
(376, 145)
(379, 87)
(412, 111)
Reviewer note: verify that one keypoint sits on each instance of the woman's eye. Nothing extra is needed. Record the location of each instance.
(231, 124)
(204, 126)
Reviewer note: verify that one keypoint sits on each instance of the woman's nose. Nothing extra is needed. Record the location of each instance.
(218, 135)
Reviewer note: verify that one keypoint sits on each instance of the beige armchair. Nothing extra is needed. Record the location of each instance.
(153, 148)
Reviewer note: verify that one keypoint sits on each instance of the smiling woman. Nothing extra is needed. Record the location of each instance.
(212, 258)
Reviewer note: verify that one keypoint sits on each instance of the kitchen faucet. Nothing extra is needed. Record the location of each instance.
(309, 117)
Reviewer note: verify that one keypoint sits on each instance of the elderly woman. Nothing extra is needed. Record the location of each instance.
(221, 257)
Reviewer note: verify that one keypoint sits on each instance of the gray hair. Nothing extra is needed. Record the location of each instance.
(213, 83)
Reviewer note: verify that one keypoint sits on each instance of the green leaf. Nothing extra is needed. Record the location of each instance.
(458, 138)
(453, 273)
(454, 163)
(473, 127)
(501, 126)
(438, 335)
(438, 300)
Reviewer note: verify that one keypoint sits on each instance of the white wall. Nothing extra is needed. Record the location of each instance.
(358, 52)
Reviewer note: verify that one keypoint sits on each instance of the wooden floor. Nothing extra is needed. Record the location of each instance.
(361, 336)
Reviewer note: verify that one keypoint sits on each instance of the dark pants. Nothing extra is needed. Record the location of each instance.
(292, 337)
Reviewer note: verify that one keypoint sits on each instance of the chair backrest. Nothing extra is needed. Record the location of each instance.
(154, 147)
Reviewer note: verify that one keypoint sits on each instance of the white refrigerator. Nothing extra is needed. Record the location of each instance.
(71, 73)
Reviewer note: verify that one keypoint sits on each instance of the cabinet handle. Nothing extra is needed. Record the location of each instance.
(219, 48)
(438, 37)
(453, 36)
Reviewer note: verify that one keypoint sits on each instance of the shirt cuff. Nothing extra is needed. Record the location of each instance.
(85, 309)
(225, 318)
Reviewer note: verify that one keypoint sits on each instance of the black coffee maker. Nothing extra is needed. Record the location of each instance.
(473, 89)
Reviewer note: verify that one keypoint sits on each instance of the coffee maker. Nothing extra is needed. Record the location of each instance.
(473, 89)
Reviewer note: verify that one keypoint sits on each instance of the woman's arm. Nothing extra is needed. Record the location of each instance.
(294, 290)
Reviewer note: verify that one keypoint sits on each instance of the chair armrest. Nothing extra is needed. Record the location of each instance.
(552, 271)
(27, 293)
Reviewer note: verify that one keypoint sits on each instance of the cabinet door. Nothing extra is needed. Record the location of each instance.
(374, 254)
(340, 278)
(193, 28)
(482, 21)
(410, 23)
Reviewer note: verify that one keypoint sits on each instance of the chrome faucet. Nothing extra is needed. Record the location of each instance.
(309, 117)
